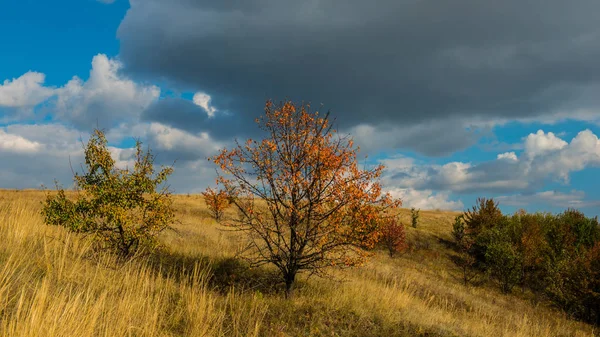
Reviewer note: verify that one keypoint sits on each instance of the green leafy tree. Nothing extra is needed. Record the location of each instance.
(533, 247)
(503, 261)
(124, 210)
(483, 216)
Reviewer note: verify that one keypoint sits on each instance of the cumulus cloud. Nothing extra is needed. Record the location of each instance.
(573, 199)
(105, 97)
(507, 156)
(15, 143)
(426, 199)
(33, 155)
(26, 91)
(203, 100)
(545, 157)
(540, 143)
(181, 145)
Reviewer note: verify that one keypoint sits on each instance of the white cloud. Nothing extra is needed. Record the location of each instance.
(546, 157)
(425, 199)
(38, 154)
(53, 137)
(203, 100)
(124, 157)
(574, 199)
(105, 97)
(164, 137)
(507, 156)
(540, 143)
(26, 91)
(17, 144)
(582, 152)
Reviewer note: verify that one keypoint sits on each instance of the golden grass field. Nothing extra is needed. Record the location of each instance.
(50, 285)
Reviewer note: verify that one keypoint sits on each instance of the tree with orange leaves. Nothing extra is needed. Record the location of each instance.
(302, 198)
(394, 237)
(216, 201)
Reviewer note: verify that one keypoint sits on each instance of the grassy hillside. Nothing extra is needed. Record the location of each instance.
(51, 284)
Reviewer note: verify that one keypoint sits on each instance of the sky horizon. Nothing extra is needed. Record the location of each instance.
(459, 101)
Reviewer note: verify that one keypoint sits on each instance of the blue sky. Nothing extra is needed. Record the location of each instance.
(500, 104)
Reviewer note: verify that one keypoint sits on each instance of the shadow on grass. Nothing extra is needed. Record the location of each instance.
(448, 244)
(474, 276)
(225, 273)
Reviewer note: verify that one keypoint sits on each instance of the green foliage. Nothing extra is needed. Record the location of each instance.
(483, 216)
(555, 256)
(414, 214)
(464, 244)
(586, 231)
(123, 209)
(503, 259)
(458, 229)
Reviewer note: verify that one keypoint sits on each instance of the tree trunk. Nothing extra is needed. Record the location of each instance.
(289, 283)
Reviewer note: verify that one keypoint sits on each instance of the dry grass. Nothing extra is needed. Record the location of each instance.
(51, 285)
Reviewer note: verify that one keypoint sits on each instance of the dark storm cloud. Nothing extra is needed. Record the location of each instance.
(380, 63)
(185, 115)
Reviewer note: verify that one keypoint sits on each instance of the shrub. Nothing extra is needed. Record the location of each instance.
(458, 229)
(122, 209)
(394, 237)
(216, 201)
(414, 214)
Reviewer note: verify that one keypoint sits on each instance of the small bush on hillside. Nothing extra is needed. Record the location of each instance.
(122, 209)
(414, 214)
(463, 244)
(216, 201)
(394, 237)
(458, 229)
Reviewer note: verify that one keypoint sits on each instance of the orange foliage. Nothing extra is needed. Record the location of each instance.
(317, 207)
(216, 201)
(394, 237)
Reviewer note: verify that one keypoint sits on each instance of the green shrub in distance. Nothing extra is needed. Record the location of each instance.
(414, 214)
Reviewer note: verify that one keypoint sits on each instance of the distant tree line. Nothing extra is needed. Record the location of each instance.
(555, 256)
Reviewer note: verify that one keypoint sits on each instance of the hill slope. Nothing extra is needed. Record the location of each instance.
(50, 284)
